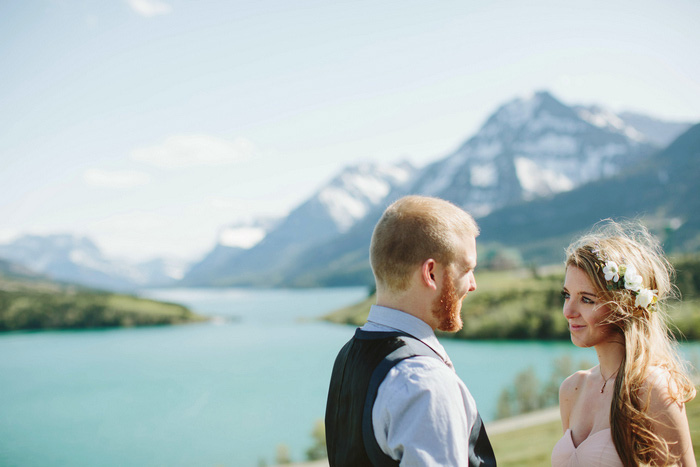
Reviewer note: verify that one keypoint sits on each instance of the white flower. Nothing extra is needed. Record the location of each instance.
(645, 297)
(611, 271)
(633, 281)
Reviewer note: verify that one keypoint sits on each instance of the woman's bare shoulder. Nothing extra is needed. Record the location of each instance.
(574, 383)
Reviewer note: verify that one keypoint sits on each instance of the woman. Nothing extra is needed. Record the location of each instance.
(630, 409)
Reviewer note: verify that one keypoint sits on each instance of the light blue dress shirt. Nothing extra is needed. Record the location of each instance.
(423, 413)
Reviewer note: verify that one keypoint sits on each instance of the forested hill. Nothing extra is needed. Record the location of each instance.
(32, 302)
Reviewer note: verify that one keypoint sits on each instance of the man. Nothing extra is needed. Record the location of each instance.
(394, 398)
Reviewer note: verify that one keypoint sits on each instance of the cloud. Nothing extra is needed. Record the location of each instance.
(8, 235)
(149, 8)
(115, 179)
(182, 151)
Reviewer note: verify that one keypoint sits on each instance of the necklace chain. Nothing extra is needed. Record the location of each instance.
(605, 381)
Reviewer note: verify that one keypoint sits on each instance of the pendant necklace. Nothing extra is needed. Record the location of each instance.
(605, 381)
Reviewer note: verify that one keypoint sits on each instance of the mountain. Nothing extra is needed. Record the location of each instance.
(12, 270)
(158, 272)
(333, 210)
(662, 191)
(529, 151)
(233, 240)
(660, 132)
(529, 148)
(535, 173)
(77, 259)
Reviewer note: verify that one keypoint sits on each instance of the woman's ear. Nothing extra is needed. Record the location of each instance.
(428, 270)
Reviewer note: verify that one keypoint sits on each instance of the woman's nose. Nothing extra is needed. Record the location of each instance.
(569, 309)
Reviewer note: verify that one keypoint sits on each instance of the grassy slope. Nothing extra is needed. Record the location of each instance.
(41, 304)
(524, 305)
(508, 305)
(532, 446)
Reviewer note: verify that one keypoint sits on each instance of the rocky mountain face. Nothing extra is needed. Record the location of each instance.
(77, 259)
(530, 148)
(662, 191)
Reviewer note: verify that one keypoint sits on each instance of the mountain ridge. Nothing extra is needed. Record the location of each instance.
(528, 152)
(76, 258)
(331, 211)
(345, 258)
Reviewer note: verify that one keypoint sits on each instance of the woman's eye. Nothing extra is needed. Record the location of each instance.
(586, 300)
(565, 295)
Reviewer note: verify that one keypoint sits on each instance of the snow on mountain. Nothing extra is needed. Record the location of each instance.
(339, 204)
(233, 240)
(350, 196)
(246, 233)
(532, 147)
(537, 181)
(243, 237)
(603, 118)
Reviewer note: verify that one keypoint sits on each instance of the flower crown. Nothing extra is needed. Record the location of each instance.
(624, 276)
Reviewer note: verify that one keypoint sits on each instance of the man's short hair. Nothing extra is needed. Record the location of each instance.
(412, 230)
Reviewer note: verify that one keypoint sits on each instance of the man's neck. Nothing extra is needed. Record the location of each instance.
(407, 303)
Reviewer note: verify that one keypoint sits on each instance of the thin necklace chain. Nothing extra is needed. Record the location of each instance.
(605, 381)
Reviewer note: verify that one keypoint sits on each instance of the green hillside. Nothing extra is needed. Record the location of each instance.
(527, 304)
(32, 303)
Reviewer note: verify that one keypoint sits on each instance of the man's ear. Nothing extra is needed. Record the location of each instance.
(428, 273)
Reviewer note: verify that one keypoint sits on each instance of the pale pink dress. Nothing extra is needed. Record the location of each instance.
(597, 450)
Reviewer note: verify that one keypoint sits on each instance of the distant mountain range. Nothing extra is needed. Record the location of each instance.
(536, 172)
(76, 259)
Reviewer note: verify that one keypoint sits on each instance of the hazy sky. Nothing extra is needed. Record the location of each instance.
(149, 124)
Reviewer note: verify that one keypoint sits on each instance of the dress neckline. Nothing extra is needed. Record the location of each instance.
(571, 437)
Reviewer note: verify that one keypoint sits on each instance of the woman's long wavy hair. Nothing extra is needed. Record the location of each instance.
(649, 346)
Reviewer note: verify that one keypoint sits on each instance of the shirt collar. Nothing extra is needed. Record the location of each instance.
(402, 321)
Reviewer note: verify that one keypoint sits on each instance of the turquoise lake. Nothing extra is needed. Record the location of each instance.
(221, 393)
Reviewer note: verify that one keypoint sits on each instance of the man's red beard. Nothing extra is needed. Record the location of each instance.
(448, 307)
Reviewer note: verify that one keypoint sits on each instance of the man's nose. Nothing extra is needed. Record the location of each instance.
(472, 282)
